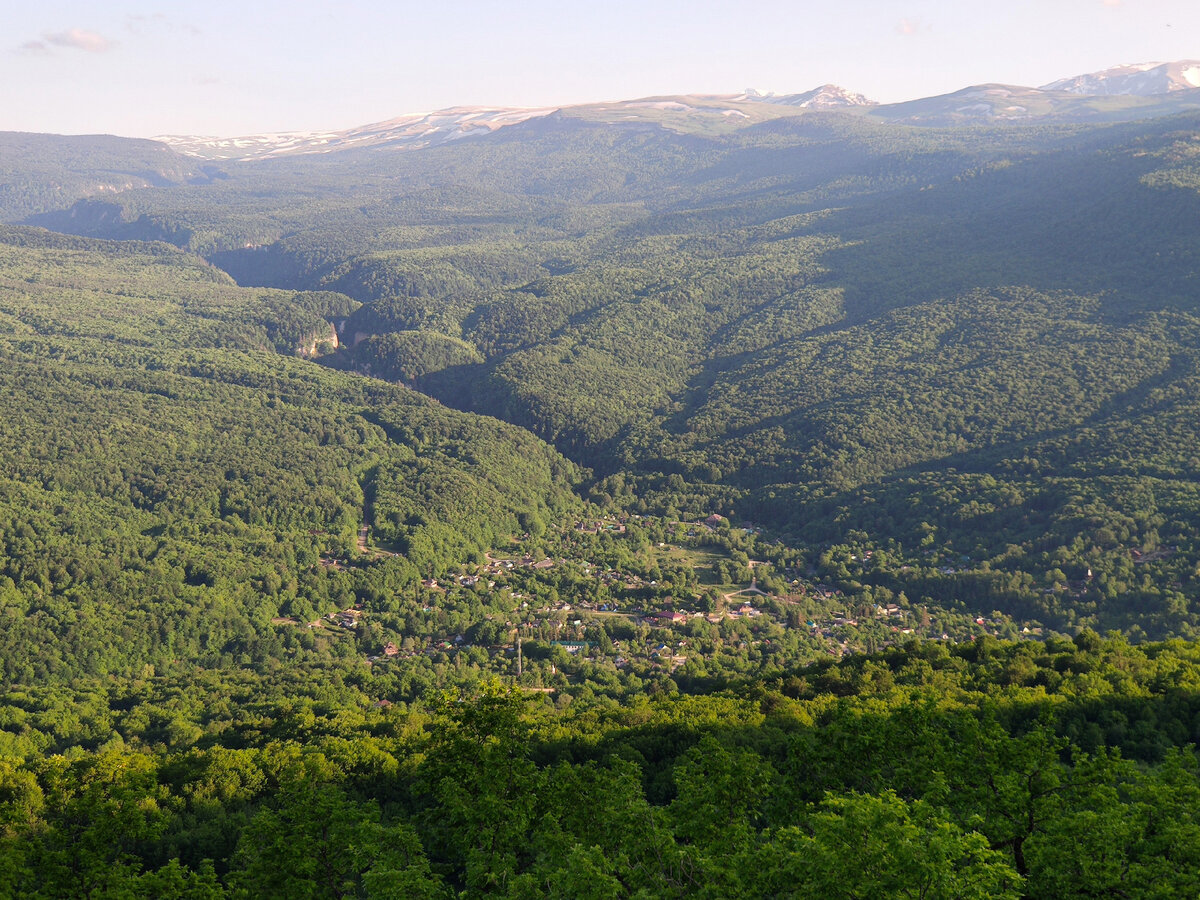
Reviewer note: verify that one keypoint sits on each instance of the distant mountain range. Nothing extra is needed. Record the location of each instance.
(411, 131)
(1144, 79)
(1123, 92)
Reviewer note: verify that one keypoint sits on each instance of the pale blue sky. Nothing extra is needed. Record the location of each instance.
(226, 68)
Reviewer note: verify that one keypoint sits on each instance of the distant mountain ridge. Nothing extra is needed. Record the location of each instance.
(409, 131)
(1123, 92)
(419, 130)
(1142, 79)
(827, 96)
(1008, 104)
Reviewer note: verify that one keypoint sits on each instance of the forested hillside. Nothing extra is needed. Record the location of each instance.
(670, 507)
(41, 173)
(172, 482)
(981, 337)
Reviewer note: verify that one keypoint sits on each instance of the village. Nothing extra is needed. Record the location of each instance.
(569, 601)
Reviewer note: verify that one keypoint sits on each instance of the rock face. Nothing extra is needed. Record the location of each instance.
(319, 343)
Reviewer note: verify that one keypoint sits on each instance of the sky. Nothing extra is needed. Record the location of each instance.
(221, 68)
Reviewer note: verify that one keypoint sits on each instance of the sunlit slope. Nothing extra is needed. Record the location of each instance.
(807, 305)
(169, 476)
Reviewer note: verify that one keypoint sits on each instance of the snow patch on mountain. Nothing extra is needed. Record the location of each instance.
(983, 103)
(1142, 79)
(404, 132)
(827, 96)
(659, 104)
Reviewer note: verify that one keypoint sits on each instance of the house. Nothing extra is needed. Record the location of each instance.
(670, 617)
(390, 649)
(571, 646)
(715, 521)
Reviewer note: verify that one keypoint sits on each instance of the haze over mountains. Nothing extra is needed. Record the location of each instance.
(1148, 89)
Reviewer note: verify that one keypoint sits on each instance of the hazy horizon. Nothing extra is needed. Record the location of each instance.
(227, 69)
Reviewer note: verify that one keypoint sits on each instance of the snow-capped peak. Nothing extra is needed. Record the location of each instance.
(827, 96)
(1143, 79)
